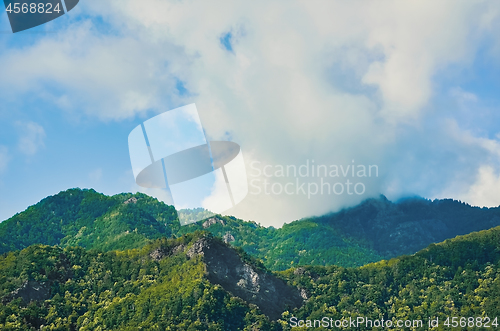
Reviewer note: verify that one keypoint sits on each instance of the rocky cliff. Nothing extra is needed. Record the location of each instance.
(225, 267)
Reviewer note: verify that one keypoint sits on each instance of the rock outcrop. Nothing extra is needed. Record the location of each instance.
(226, 268)
(212, 221)
(131, 200)
(228, 237)
(30, 291)
(162, 252)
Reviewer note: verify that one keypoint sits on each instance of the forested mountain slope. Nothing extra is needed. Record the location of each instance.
(197, 282)
(374, 230)
(89, 219)
(411, 224)
(168, 285)
(457, 278)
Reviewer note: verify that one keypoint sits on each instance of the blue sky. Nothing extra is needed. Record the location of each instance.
(413, 89)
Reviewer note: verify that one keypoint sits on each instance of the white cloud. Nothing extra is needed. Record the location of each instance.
(486, 190)
(417, 39)
(108, 77)
(274, 94)
(31, 137)
(96, 175)
(218, 200)
(463, 98)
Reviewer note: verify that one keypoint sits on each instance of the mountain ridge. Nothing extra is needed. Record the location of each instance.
(170, 284)
(374, 230)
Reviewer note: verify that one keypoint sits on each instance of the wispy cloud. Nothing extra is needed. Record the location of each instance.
(96, 175)
(31, 137)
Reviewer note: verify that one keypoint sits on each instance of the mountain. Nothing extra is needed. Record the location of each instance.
(457, 278)
(411, 224)
(374, 230)
(198, 282)
(89, 219)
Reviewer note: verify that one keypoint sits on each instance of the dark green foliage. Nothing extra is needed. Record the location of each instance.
(53, 218)
(298, 243)
(131, 290)
(405, 227)
(89, 219)
(460, 277)
(374, 230)
(120, 290)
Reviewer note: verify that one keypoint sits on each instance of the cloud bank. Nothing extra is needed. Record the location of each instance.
(340, 83)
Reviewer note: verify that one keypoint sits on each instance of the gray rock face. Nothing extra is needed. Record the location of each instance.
(162, 252)
(225, 267)
(131, 200)
(30, 291)
(198, 248)
(228, 237)
(250, 280)
(158, 254)
(299, 271)
(303, 294)
(212, 221)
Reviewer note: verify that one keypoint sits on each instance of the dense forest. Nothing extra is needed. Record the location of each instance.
(374, 230)
(169, 284)
(81, 260)
(457, 278)
(49, 288)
